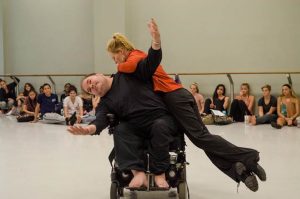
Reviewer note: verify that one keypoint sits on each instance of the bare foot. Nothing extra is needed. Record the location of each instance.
(139, 179)
(253, 120)
(160, 181)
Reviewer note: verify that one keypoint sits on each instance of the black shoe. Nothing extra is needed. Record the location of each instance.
(260, 172)
(72, 119)
(246, 177)
(275, 125)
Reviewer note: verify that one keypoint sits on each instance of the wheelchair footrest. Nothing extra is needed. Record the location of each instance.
(145, 188)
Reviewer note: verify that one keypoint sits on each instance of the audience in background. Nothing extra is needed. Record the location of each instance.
(8, 94)
(267, 108)
(87, 102)
(66, 91)
(218, 102)
(194, 89)
(30, 103)
(27, 88)
(242, 104)
(45, 102)
(287, 108)
(73, 104)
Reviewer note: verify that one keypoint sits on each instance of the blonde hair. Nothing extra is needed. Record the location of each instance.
(247, 85)
(119, 42)
(196, 86)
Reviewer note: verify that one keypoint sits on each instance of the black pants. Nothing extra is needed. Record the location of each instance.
(130, 141)
(238, 110)
(222, 153)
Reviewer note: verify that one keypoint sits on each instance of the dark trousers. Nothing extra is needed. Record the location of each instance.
(238, 110)
(266, 119)
(130, 141)
(222, 153)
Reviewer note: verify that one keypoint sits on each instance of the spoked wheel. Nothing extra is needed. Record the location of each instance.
(114, 191)
(182, 190)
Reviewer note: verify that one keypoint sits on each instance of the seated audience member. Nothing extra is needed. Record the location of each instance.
(194, 89)
(8, 94)
(45, 102)
(242, 104)
(27, 88)
(267, 106)
(66, 91)
(30, 103)
(27, 114)
(91, 116)
(287, 108)
(87, 102)
(18, 105)
(73, 104)
(218, 102)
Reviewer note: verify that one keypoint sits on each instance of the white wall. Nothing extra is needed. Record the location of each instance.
(1, 40)
(109, 17)
(49, 37)
(70, 36)
(221, 36)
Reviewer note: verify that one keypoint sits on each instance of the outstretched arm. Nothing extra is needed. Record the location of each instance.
(147, 67)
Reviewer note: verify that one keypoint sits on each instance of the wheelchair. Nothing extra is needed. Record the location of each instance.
(175, 174)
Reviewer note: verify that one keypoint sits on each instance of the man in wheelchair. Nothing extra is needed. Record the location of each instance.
(143, 115)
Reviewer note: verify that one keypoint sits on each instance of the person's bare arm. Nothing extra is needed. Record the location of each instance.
(260, 111)
(226, 103)
(36, 112)
(26, 110)
(297, 110)
(251, 103)
(279, 101)
(272, 110)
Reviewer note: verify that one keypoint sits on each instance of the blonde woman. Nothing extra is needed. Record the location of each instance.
(194, 89)
(181, 104)
(287, 108)
(242, 104)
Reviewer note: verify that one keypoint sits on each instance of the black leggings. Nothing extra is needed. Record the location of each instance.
(238, 110)
(222, 153)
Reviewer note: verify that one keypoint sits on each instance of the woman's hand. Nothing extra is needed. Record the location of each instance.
(154, 32)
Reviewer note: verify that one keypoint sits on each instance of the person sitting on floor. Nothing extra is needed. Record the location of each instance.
(267, 106)
(242, 104)
(8, 93)
(194, 89)
(45, 102)
(219, 101)
(73, 104)
(287, 108)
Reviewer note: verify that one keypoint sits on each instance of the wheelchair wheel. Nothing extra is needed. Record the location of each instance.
(182, 190)
(114, 191)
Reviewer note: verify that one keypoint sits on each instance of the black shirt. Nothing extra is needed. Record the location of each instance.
(267, 107)
(131, 97)
(11, 91)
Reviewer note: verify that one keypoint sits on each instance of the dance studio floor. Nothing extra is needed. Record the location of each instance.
(40, 161)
